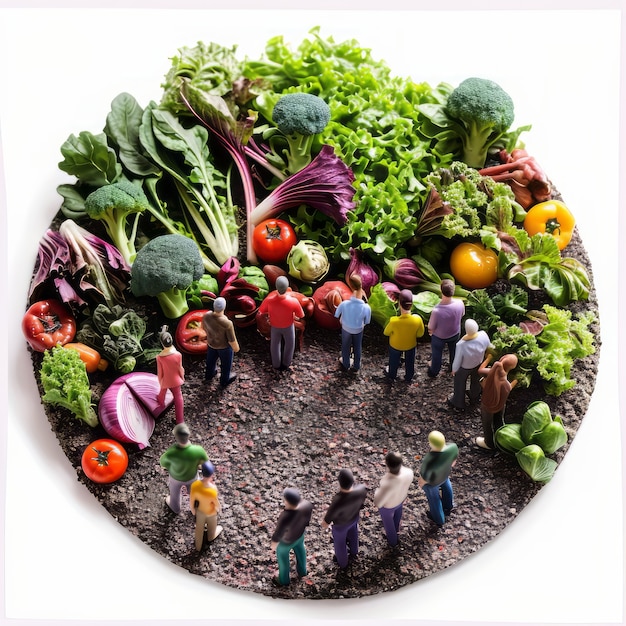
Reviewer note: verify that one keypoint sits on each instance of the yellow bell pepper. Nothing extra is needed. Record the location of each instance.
(552, 218)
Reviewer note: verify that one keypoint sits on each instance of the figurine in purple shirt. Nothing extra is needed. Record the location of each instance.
(353, 314)
(444, 327)
(470, 352)
(343, 514)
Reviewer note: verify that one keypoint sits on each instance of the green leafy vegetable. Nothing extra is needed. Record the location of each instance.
(382, 305)
(66, 383)
(536, 418)
(508, 438)
(121, 337)
(534, 462)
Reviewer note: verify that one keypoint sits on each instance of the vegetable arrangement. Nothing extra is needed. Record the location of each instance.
(328, 165)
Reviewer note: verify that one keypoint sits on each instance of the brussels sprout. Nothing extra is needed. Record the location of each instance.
(534, 462)
(551, 438)
(536, 418)
(508, 438)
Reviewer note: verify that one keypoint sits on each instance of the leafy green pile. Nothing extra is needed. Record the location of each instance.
(66, 384)
(563, 339)
(374, 128)
(121, 336)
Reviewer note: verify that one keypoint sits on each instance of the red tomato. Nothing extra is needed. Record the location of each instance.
(272, 240)
(104, 461)
(473, 265)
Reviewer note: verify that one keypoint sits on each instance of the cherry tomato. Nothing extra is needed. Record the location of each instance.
(272, 240)
(104, 461)
(473, 265)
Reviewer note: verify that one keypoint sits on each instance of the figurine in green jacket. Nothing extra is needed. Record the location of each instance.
(434, 477)
(181, 462)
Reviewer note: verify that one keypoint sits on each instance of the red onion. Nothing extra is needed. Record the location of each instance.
(129, 406)
(369, 276)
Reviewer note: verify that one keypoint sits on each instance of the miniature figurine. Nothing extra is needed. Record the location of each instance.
(222, 343)
(391, 493)
(343, 513)
(470, 351)
(171, 374)
(353, 314)
(403, 332)
(496, 388)
(289, 535)
(434, 477)
(205, 505)
(444, 327)
(181, 462)
(283, 309)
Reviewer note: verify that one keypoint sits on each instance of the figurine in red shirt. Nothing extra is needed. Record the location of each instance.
(283, 309)
(170, 373)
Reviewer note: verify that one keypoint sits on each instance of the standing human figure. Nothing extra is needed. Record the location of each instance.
(205, 504)
(391, 493)
(444, 327)
(403, 331)
(434, 477)
(222, 343)
(181, 461)
(470, 352)
(343, 514)
(353, 314)
(289, 535)
(282, 309)
(496, 389)
(170, 374)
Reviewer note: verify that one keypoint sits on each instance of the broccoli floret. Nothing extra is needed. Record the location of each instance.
(300, 117)
(484, 111)
(165, 268)
(113, 204)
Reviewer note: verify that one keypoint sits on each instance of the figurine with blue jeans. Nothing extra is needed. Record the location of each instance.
(434, 477)
(353, 314)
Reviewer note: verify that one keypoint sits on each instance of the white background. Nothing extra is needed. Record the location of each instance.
(65, 557)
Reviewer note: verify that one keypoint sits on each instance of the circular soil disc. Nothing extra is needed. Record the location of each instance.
(269, 430)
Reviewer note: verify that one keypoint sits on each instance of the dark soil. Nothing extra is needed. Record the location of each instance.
(268, 431)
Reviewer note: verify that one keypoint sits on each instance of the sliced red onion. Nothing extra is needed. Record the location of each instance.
(129, 406)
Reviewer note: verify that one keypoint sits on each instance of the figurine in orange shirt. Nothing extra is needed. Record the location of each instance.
(283, 309)
(170, 373)
(205, 505)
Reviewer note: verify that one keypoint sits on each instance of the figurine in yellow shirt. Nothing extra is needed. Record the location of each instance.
(205, 505)
(403, 331)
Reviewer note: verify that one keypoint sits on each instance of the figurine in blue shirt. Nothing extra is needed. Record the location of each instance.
(353, 314)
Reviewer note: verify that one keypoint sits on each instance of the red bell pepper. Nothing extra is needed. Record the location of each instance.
(48, 323)
(190, 336)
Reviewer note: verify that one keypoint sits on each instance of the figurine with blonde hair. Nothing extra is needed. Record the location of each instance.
(434, 477)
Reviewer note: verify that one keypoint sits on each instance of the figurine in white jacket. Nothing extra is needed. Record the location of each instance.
(391, 494)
